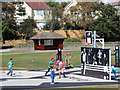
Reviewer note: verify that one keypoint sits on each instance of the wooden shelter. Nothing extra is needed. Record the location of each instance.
(48, 41)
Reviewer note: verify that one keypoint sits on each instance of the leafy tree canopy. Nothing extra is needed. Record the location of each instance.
(26, 28)
(56, 11)
(8, 22)
(9, 26)
(107, 24)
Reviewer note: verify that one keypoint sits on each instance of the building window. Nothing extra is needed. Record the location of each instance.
(48, 42)
(40, 12)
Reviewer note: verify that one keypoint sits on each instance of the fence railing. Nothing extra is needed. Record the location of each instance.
(98, 43)
(70, 44)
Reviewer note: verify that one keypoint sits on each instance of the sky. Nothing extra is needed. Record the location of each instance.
(106, 1)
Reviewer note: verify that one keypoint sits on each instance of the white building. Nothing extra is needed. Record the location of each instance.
(72, 4)
(40, 11)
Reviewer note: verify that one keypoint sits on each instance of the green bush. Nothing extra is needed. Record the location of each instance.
(72, 40)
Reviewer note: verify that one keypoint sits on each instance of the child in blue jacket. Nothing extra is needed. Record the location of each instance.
(52, 75)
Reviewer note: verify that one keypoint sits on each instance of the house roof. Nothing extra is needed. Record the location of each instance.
(48, 35)
(38, 5)
(117, 3)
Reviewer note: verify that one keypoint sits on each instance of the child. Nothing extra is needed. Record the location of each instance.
(60, 67)
(10, 64)
(52, 75)
(50, 65)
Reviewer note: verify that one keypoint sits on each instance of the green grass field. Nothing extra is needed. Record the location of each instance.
(22, 61)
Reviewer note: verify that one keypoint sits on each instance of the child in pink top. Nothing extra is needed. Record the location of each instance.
(60, 67)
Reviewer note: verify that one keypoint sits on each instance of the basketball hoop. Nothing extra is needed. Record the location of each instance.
(86, 43)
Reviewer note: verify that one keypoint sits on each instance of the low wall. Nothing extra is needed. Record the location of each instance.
(68, 45)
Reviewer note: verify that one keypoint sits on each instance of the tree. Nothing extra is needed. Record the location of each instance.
(56, 13)
(53, 4)
(9, 26)
(107, 24)
(51, 24)
(81, 14)
(26, 28)
(62, 5)
(8, 22)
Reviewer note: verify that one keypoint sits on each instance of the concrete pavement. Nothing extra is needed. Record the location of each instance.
(31, 79)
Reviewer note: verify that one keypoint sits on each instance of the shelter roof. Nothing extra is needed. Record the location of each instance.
(48, 35)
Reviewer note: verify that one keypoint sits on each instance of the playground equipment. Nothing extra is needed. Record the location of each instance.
(66, 60)
(116, 53)
(117, 62)
(88, 35)
(96, 62)
(89, 38)
(115, 71)
(59, 54)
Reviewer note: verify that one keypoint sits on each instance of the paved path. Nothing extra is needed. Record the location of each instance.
(31, 52)
(31, 79)
(28, 52)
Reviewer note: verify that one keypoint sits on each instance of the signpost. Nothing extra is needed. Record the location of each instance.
(96, 62)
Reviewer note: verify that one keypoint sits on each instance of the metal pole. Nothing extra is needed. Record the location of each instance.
(95, 44)
(109, 64)
(103, 43)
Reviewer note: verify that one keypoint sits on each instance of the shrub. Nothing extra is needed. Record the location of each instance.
(72, 40)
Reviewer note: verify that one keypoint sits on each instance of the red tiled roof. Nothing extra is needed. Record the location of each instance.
(116, 3)
(37, 5)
